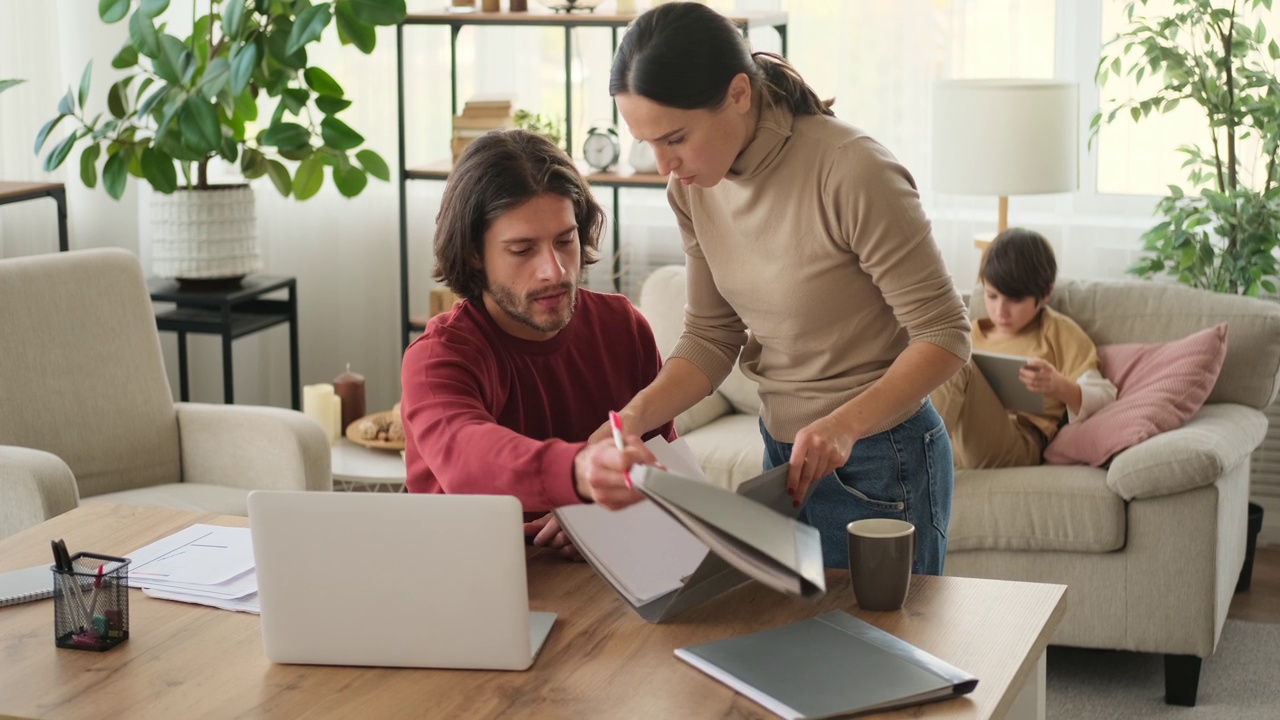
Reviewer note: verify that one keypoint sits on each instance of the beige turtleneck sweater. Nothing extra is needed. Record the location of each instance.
(814, 258)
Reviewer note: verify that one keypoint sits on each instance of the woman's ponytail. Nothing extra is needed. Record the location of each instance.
(784, 86)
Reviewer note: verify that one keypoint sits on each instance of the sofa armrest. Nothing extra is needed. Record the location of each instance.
(34, 486)
(1218, 438)
(708, 409)
(252, 447)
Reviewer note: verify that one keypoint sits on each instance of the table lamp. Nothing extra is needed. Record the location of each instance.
(1005, 137)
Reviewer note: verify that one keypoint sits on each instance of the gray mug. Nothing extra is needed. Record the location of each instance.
(880, 554)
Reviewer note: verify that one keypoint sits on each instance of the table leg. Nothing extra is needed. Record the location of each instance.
(184, 387)
(228, 387)
(294, 378)
(1029, 704)
(617, 241)
(60, 197)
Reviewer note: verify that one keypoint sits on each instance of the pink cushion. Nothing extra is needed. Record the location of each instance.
(1160, 385)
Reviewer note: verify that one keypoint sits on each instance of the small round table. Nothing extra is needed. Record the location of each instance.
(360, 469)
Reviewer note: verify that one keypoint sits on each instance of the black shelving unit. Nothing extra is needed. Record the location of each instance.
(455, 22)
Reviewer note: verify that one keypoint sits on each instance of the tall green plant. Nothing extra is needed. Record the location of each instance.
(186, 101)
(1220, 232)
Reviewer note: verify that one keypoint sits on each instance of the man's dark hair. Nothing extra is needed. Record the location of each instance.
(498, 171)
(1019, 264)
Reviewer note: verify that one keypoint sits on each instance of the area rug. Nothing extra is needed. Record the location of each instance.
(1240, 682)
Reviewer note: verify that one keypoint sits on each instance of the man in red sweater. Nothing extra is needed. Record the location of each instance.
(502, 392)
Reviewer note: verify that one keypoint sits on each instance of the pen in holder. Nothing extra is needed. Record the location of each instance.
(90, 601)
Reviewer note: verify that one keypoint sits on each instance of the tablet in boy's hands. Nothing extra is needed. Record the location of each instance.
(1001, 372)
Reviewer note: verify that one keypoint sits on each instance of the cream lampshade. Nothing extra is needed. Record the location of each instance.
(1005, 137)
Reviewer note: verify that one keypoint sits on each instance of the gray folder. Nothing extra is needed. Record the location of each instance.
(828, 666)
(751, 529)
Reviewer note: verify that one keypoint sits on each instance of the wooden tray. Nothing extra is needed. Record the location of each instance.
(379, 417)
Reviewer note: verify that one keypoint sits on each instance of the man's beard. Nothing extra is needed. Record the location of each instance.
(522, 309)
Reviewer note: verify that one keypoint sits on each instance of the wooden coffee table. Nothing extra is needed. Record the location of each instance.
(601, 659)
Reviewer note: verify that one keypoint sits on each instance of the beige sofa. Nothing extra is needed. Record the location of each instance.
(86, 410)
(1151, 548)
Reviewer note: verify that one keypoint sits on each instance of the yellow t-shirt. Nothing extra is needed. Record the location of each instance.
(1054, 338)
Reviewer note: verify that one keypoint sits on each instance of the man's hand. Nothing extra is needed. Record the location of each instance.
(599, 471)
(820, 447)
(549, 534)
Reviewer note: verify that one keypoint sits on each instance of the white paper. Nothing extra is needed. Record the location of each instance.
(644, 552)
(248, 603)
(200, 554)
(677, 457)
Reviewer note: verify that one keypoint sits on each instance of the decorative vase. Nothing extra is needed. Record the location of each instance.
(205, 234)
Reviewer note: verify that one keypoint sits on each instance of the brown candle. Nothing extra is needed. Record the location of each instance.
(350, 388)
(518, 5)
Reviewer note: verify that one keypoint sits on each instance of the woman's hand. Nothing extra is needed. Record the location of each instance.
(549, 534)
(600, 471)
(820, 447)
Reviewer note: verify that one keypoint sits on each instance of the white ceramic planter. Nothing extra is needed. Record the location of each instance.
(204, 234)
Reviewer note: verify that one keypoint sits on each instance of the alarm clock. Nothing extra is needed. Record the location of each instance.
(601, 148)
(642, 159)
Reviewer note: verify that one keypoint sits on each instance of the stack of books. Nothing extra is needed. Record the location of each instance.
(479, 116)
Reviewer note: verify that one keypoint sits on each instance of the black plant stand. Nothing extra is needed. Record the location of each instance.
(230, 313)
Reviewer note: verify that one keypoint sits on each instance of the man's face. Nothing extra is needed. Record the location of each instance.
(532, 259)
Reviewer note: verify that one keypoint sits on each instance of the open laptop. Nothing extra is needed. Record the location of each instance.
(393, 580)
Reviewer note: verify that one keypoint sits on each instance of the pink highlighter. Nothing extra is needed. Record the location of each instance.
(615, 423)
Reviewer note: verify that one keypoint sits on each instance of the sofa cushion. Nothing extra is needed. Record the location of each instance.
(197, 497)
(1220, 437)
(730, 449)
(706, 410)
(1042, 508)
(1160, 386)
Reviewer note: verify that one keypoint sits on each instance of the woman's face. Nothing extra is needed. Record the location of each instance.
(696, 146)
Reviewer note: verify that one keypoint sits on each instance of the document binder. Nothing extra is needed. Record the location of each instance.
(832, 665)
(750, 534)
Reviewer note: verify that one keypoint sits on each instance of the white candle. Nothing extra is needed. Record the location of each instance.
(321, 404)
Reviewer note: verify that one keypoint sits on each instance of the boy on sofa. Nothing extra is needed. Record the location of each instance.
(1017, 275)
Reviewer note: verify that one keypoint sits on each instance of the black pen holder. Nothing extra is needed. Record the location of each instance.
(91, 603)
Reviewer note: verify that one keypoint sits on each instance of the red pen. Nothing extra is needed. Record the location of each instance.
(615, 422)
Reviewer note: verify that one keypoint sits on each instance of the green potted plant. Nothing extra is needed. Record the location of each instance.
(186, 101)
(1221, 231)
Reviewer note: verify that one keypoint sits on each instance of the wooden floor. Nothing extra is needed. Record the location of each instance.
(1262, 602)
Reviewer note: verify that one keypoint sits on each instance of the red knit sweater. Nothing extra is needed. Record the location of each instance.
(488, 413)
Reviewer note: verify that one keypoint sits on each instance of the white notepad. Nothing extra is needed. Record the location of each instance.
(26, 585)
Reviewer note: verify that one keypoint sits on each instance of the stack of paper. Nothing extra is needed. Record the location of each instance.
(203, 564)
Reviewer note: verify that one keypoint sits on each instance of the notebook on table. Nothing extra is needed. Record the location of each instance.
(26, 585)
(424, 581)
(832, 665)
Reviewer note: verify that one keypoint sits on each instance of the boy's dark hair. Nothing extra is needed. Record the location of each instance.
(1019, 263)
(498, 171)
(684, 55)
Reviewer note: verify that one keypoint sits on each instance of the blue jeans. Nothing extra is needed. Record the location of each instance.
(903, 473)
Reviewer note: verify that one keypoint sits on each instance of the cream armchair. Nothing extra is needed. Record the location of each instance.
(86, 412)
(1151, 548)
